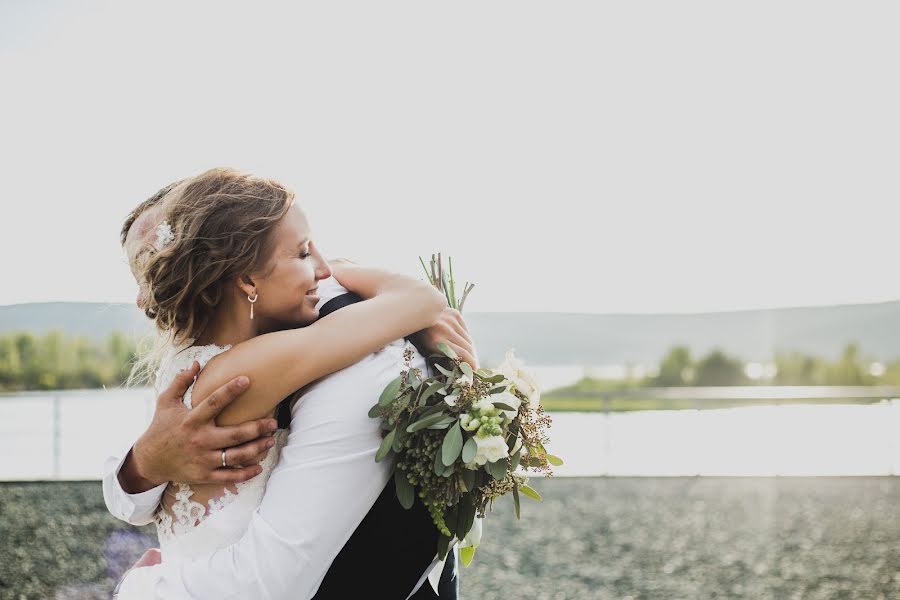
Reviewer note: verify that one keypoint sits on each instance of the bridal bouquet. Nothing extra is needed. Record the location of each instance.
(464, 437)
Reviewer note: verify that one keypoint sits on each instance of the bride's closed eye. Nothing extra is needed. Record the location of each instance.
(306, 254)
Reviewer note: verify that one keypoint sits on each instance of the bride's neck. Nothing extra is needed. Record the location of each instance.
(230, 325)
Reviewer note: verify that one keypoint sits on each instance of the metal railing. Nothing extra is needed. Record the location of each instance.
(775, 393)
(55, 399)
(706, 397)
(701, 397)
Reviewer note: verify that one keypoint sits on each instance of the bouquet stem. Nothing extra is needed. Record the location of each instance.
(438, 277)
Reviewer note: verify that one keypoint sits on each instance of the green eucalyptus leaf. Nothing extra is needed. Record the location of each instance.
(403, 402)
(375, 411)
(497, 390)
(554, 460)
(427, 411)
(385, 446)
(498, 469)
(429, 392)
(448, 471)
(532, 461)
(446, 372)
(469, 450)
(466, 516)
(530, 492)
(400, 437)
(452, 446)
(444, 423)
(516, 502)
(406, 493)
(425, 422)
(466, 555)
(446, 350)
(515, 460)
(502, 406)
(451, 516)
(390, 392)
(466, 369)
(467, 476)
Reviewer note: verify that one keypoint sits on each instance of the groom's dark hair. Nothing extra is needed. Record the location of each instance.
(140, 208)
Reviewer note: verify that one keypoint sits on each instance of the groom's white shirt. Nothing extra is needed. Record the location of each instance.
(322, 487)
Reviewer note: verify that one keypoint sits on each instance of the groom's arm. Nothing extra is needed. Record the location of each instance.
(182, 445)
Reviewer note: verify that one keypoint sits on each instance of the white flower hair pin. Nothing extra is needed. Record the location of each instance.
(164, 235)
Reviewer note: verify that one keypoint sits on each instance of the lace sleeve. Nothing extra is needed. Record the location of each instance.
(182, 358)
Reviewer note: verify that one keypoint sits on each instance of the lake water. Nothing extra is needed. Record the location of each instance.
(759, 440)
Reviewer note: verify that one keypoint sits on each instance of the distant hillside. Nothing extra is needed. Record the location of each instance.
(93, 319)
(579, 339)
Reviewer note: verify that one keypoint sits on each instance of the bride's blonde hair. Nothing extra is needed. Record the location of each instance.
(221, 223)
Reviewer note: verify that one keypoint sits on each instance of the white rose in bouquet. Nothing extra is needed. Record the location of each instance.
(524, 379)
(490, 449)
(510, 400)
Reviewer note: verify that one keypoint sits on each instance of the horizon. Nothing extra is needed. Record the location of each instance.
(548, 312)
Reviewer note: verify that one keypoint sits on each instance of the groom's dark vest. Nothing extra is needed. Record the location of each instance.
(391, 548)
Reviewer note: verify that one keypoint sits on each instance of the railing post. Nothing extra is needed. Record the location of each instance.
(57, 437)
(697, 418)
(893, 405)
(606, 433)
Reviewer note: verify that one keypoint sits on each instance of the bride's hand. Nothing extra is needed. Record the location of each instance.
(151, 557)
(451, 329)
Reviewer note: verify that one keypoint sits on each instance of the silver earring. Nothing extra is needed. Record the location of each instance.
(252, 299)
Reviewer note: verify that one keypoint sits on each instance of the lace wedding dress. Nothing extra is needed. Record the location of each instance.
(192, 529)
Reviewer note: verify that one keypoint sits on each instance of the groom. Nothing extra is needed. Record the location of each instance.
(329, 525)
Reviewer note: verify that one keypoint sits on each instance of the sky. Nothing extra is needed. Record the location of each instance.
(577, 157)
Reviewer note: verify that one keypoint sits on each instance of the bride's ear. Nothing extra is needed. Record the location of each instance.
(246, 285)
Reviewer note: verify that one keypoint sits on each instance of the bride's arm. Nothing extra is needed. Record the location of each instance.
(281, 362)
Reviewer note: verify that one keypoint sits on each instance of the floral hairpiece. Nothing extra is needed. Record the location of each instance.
(164, 235)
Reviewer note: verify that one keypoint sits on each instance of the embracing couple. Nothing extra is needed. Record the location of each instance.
(258, 468)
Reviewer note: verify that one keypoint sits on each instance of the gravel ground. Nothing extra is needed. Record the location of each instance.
(638, 538)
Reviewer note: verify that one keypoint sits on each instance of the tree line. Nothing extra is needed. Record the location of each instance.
(54, 361)
(680, 368)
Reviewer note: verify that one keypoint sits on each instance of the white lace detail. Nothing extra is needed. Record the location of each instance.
(181, 358)
(187, 514)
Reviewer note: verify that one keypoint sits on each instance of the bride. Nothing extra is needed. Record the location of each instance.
(232, 280)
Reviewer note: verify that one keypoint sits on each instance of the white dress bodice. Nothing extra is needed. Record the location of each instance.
(194, 529)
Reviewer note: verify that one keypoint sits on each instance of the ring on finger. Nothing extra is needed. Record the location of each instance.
(224, 464)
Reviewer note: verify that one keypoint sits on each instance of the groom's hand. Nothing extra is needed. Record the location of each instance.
(451, 329)
(186, 445)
